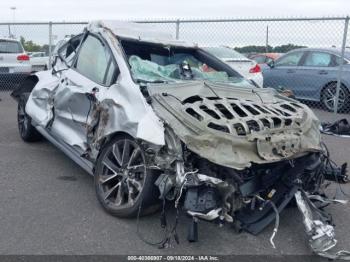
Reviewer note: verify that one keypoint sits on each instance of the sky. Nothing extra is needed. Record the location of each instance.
(307, 33)
(73, 10)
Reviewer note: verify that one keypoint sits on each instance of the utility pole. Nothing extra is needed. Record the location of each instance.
(9, 26)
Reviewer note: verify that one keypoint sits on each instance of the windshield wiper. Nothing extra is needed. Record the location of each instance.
(152, 82)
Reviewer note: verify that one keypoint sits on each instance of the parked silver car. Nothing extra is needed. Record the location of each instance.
(155, 119)
(14, 62)
(312, 73)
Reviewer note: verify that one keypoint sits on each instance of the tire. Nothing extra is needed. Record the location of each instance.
(27, 132)
(121, 189)
(328, 97)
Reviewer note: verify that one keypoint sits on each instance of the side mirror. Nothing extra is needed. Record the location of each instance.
(58, 65)
(271, 64)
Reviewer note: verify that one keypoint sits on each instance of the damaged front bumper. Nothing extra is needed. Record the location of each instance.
(256, 202)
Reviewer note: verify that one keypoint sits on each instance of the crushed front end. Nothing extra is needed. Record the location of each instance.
(235, 155)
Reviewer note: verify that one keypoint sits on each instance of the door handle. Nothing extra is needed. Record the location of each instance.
(289, 71)
(323, 72)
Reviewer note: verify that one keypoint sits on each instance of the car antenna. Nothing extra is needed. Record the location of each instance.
(211, 89)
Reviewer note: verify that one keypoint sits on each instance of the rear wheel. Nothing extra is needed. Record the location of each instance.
(123, 181)
(328, 97)
(27, 132)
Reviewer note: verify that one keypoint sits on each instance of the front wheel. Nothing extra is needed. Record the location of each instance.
(122, 180)
(26, 130)
(328, 97)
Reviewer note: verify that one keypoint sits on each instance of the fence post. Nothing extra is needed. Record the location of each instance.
(50, 45)
(177, 29)
(267, 39)
(346, 26)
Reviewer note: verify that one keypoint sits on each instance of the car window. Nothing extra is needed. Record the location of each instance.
(337, 61)
(268, 60)
(289, 59)
(318, 59)
(225, 52)
(10, 47)
(260, 59)
(111, 73)
(68, 51)
(93, 61)
(58, 46)
(38, 55)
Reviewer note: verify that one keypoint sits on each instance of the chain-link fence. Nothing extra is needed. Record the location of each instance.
(316, 67)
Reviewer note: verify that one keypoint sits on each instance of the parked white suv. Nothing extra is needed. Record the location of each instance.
(14, 62)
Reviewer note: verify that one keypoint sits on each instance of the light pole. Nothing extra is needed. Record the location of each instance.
(13, 8)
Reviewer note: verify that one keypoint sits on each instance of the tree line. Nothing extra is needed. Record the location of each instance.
(267, 49)
(30, 46)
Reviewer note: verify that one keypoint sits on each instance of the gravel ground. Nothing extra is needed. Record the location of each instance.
(48, 206)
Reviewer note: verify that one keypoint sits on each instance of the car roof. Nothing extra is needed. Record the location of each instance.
(333, 50)
(8, 39)
(138, 31)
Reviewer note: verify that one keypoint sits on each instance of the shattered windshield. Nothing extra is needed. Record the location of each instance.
(158, 63)
(150, 71)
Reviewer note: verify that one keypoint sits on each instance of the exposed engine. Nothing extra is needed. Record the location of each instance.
(241, 161)
(252, 198)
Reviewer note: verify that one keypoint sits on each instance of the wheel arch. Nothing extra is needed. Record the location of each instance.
(25, 87)
(113, 135)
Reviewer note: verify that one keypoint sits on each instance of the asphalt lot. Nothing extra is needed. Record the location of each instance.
(48, 206)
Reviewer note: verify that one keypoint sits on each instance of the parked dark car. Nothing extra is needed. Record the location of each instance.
(311, 73)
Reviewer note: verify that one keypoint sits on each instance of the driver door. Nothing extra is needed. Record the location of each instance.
(284, 74)
(92, 71)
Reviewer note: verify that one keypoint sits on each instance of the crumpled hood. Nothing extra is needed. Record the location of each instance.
(235, 126)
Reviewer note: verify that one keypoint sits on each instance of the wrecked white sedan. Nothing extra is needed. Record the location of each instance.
(156, 119)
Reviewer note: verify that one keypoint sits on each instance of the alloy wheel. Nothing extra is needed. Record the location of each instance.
(329, 97)
(22, 119)
(123, 174)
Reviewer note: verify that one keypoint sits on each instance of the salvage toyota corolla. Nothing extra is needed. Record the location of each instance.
(155, 119)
